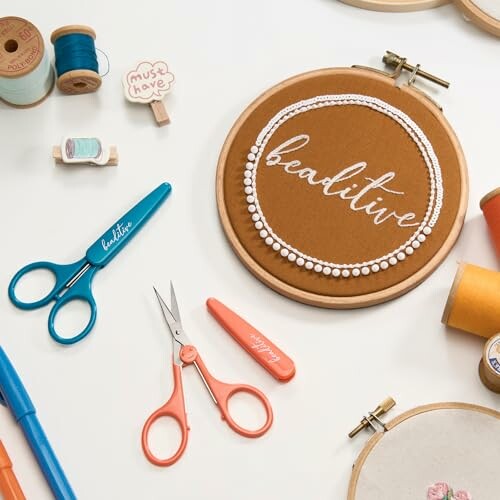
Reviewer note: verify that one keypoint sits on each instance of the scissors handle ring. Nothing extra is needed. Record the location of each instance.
(173, 408)
(69, 297)
(224, 392)
(49, 266)
(230, 391)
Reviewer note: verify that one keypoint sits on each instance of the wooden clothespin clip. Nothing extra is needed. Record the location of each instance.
(374, 417)
(85, 151)
(148, 83)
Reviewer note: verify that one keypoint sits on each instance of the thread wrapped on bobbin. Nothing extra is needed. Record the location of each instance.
(490, 205)
(474, 301)
(76, 59)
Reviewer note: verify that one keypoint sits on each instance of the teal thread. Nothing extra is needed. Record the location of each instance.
(83, 147)
(75, 51)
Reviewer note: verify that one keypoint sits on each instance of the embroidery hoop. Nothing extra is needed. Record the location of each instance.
(396, 5)
(479, 17)
(225, 195)
(470, 10)
(454, 413)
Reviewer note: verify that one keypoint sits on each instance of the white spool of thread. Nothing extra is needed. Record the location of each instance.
(26, 75)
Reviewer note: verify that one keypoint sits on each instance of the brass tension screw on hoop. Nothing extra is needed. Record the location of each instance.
(399, 63)
(374, 416)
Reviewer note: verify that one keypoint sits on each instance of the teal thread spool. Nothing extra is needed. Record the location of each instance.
(76, 59)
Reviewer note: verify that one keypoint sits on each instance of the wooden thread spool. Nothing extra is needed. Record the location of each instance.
(490, 205)
(26, 76)
(489, 366)
(474, 301)
(76, 81)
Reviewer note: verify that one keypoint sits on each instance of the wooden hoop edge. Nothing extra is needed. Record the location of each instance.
(396, 5)
(367, 449)
(350, 302)
(479, 17)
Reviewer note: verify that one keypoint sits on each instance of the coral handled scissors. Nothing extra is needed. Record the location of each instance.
(184, 353)
(73, 281)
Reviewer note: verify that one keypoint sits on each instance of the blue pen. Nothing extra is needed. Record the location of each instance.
(73, 281)
(14, 396)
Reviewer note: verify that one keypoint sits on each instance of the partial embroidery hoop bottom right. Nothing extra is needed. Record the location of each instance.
(450, 442)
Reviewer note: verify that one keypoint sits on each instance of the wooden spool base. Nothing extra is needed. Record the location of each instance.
(80, 81)
(488, 372)
(484, 379)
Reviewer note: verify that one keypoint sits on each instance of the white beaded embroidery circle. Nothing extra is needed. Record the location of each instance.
(333, 269)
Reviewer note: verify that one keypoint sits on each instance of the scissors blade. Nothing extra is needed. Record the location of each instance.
(179, 337)
(173, 303)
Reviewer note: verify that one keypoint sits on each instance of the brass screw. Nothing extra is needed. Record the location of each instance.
(395, 61)
(382, 408)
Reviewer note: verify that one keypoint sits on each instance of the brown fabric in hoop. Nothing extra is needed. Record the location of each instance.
(325, 227)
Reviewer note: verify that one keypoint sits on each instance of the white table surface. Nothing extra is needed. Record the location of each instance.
(93, 397)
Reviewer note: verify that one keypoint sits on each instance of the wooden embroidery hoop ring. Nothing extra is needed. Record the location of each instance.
(396, 5)
(375, 439)
(340, 302)
(479, 17)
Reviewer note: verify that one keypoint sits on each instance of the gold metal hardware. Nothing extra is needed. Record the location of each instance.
(399, 64)
(375, 415)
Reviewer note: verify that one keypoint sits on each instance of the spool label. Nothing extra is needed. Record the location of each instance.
(21, 47)
(493, 355)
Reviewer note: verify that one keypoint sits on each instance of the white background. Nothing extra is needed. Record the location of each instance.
(94, 397)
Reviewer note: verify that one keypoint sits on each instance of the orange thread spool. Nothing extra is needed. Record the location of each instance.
(474, 301)
(490, 205)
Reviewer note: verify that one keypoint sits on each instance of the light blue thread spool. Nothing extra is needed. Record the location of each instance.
(26, 75)
(83, 148)
(76, 59)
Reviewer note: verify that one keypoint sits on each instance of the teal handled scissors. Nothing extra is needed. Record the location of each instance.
(73, 281)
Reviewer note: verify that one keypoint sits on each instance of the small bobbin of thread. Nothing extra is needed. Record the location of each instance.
(490, 205)
(489, 366)
(26, 75)
(76, 59)
(85, 151)
(473, 303)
